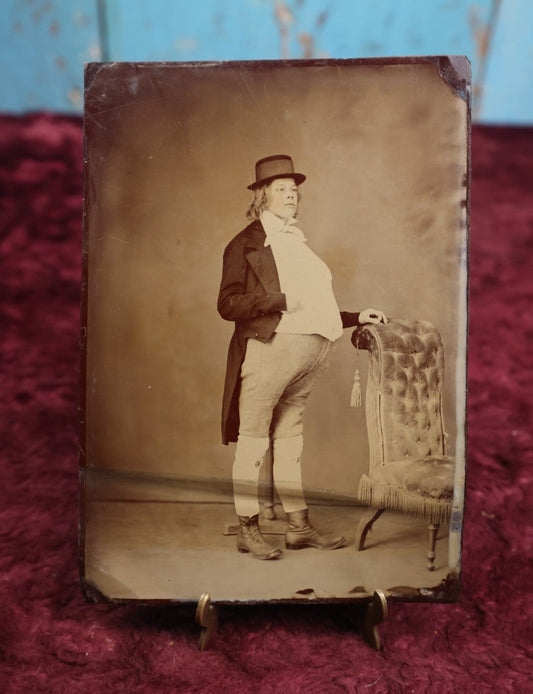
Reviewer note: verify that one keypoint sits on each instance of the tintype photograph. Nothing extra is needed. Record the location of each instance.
(274, 329)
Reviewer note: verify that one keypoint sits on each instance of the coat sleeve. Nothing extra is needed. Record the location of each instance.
(235, 299)
(349, 320)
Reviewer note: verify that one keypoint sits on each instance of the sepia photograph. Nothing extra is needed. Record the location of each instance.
(274, 329)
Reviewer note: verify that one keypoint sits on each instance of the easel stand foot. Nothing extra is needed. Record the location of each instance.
(375, 612)
(206, 618)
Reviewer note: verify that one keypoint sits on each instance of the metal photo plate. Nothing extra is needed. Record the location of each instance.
(175, 273)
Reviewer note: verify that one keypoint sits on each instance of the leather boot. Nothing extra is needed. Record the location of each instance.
(301, 534)
(250, 539)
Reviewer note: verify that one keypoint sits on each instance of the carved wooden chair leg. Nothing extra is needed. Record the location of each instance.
(433, 529)
(365, 524)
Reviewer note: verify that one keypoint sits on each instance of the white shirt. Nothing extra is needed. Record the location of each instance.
(304, 277)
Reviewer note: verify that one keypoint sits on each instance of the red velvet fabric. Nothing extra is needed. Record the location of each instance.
(52, 641)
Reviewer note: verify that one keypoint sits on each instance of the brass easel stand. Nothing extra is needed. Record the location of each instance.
(207, 618)
(376, 611)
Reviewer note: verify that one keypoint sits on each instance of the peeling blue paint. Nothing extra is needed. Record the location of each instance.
(43, 47)
(44, 43)
(507, 96)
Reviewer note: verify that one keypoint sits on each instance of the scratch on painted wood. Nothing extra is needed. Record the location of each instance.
(286, 18)
(482, 34)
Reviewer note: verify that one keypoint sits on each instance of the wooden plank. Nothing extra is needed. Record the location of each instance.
(210, 30)
(43, 45)
(265, 29)
(507, 96)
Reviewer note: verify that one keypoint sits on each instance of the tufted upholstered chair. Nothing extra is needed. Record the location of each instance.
(409, 470)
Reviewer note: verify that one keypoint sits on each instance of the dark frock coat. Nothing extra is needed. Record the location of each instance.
(250, 295)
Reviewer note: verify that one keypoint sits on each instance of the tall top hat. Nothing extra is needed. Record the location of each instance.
(276, 166)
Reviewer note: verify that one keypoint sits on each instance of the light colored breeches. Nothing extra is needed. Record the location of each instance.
(276, 380)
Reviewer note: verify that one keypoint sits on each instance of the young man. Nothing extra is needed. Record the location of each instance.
(279, 294)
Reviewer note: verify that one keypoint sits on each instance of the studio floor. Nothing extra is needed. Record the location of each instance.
(167, 550)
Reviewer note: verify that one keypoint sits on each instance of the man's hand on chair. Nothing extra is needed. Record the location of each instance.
(372, 315)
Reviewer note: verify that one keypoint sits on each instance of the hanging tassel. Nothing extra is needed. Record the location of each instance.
(355, 400)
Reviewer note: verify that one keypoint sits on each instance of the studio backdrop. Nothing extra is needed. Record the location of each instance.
(170, 151)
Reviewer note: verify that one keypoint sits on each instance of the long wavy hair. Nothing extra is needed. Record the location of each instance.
(259, 201)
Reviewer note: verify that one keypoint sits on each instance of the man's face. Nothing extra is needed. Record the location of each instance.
(282, 197)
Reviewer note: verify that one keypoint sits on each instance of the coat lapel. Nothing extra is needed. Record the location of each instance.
(261, 259)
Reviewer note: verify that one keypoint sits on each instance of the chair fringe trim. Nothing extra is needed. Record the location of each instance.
(382, 496)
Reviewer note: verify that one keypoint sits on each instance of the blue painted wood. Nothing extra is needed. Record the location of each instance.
(43, 45)
(507, 96)
(371, 28)
(207, 30)
(265, 29)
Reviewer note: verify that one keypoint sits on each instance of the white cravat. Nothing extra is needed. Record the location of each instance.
(275, 225)
(304, 277)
